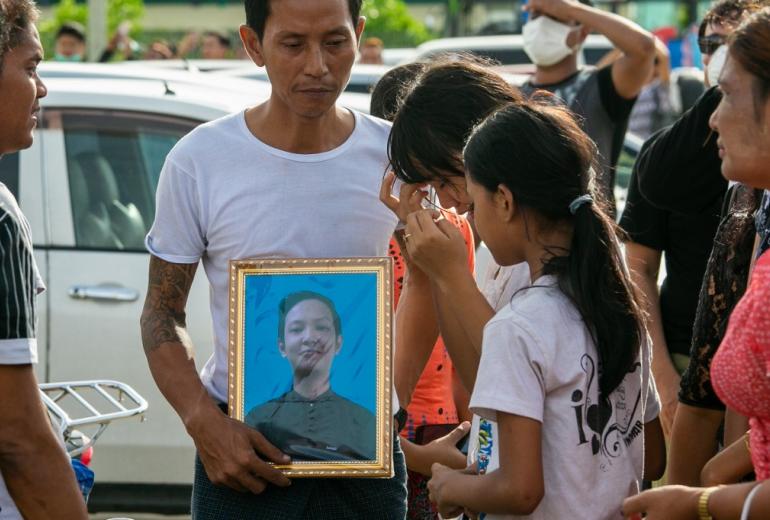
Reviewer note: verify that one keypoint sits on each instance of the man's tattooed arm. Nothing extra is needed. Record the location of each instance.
(168, 347)
(233, 453)
(163, 317)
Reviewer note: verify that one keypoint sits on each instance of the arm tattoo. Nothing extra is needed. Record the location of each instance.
(164, 308)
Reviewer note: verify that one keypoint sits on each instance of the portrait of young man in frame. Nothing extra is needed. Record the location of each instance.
(310, 361)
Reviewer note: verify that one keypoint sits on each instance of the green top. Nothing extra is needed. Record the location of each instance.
(329, 427)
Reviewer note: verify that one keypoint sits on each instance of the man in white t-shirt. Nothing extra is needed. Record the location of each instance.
(297, 176)
(36, 479)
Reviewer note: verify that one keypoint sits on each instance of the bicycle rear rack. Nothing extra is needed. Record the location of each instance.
(107, 401)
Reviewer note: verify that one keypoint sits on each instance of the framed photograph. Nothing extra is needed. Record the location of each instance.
(310, 361)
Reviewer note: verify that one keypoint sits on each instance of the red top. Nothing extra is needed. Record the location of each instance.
(740, 370)
(432, 400)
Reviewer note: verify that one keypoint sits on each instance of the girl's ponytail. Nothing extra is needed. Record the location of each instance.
(597, 281)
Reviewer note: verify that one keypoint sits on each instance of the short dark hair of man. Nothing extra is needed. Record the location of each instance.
(73, 29)
(726, 11)
(292, 299)
(258, 11)
(222, 38)
(390, 88)
(15, 18)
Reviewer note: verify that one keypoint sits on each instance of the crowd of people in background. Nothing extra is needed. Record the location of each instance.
(585, 388)
(70, 46)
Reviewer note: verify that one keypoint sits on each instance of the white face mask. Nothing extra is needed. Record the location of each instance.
(716, 64)
(545, 40)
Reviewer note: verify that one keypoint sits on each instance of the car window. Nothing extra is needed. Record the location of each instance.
(113, 164)
(9, 172)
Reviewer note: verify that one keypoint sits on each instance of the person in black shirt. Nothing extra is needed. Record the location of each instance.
(678, 167)
(679, 171)
(686, 241)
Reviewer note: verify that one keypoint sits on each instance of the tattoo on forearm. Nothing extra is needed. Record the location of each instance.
(164, 308)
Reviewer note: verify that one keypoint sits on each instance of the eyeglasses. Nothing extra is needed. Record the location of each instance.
(709, 44)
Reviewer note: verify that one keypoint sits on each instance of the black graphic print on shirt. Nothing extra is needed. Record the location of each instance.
(608, 423)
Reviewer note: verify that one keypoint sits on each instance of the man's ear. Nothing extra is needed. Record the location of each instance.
(252, 45)
(504, 203)
(578, 36)
(339, 345)
(360, 28)
(282, 348)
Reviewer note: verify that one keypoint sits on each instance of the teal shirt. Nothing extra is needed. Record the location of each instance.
(329, 427)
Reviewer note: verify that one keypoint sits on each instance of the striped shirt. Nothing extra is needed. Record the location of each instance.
(19, 284)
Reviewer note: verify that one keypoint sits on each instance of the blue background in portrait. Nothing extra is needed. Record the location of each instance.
(268, 375)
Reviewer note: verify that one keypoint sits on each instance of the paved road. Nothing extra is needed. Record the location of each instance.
(136, 516)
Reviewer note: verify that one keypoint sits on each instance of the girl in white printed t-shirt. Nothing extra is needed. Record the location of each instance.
(563, 401)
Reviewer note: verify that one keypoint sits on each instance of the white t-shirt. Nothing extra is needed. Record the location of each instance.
(225, 195)
(538, 361)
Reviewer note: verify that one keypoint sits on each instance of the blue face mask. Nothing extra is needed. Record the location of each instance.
(70, 58)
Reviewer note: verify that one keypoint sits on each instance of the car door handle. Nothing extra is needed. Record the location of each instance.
(103, 292)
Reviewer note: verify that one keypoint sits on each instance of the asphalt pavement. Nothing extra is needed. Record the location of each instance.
(136, 516)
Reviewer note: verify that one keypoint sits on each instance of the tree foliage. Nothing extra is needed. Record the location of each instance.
(71, 11)
(391, 21)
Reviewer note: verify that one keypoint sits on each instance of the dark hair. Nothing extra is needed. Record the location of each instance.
(258, 11)
(73, 29)
(387, 93)
(702, 28)
(292, 299)
(539, 152)
(750, 46)
(15, 18)
(726, 12)
(437, 114)
(222, 38)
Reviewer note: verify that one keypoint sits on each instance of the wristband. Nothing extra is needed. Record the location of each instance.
(703, 504)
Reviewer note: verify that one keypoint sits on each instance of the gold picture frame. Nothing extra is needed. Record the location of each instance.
(310, 321)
